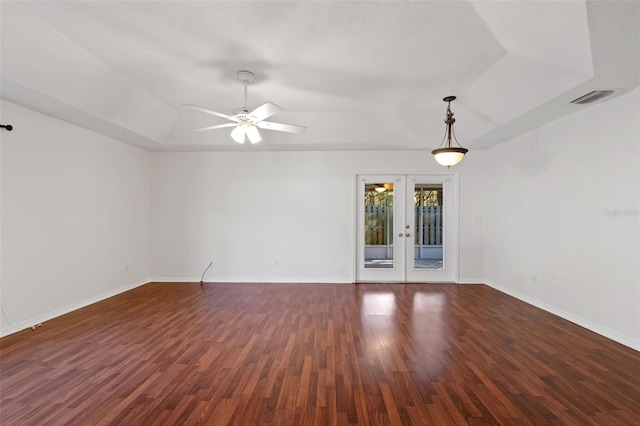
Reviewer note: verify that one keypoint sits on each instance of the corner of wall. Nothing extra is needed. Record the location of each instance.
(11, 328)
(578, 320)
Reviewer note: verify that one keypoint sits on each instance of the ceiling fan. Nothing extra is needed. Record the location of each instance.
(247, 123)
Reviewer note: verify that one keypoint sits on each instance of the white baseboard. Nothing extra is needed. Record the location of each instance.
(582, 322)
(471, 281)
(589, 325)
(231, 280)
(28, 323)
(176, 279)
(287, 280)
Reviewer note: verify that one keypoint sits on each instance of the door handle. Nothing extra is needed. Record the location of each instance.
(401, 235)
(407, 234)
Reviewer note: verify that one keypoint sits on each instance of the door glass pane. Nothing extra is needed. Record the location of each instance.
(429, 236)
(378, 225)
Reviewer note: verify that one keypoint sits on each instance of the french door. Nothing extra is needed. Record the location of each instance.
(407, 228)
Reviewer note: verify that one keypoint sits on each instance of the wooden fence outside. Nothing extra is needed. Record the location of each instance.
(378, 224)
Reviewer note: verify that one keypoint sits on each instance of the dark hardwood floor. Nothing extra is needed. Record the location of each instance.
(314, 354)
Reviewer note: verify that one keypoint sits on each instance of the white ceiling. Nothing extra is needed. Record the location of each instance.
(361, 75)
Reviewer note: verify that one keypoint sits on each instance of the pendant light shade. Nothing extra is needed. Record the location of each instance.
(446, 154)
(449, 156)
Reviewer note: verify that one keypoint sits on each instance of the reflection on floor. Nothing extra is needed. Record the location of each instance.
(388, 263)
(315, 354)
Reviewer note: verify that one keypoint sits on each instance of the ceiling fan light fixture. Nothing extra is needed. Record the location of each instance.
(446, 154)
(238, 134)
(253, 134)
(246, 123)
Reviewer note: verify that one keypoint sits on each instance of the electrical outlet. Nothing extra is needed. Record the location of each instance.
(535, 279)
(126, 268)
(277, 263)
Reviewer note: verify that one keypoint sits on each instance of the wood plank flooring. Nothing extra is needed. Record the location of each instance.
(315, 354)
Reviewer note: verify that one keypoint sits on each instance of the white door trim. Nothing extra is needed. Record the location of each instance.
(450, 238)
(403, 265)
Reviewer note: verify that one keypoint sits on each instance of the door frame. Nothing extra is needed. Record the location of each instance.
(396, 273)
(451, 240)
(404, 262)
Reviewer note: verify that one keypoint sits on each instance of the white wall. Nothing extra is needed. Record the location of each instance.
(84, 216)
(75, 217)
(550, 236)
(550, 217)
(246, 211)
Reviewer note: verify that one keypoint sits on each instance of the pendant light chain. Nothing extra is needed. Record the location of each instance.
(449, 155)
(450, 120)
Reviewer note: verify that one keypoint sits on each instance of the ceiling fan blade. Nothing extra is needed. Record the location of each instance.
(291, 128)
(265, 110)
(219, 126)
(208, 111)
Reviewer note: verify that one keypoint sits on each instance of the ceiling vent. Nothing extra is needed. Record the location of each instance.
(592, 97)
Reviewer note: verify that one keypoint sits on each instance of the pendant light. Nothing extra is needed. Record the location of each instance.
(449, 155)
